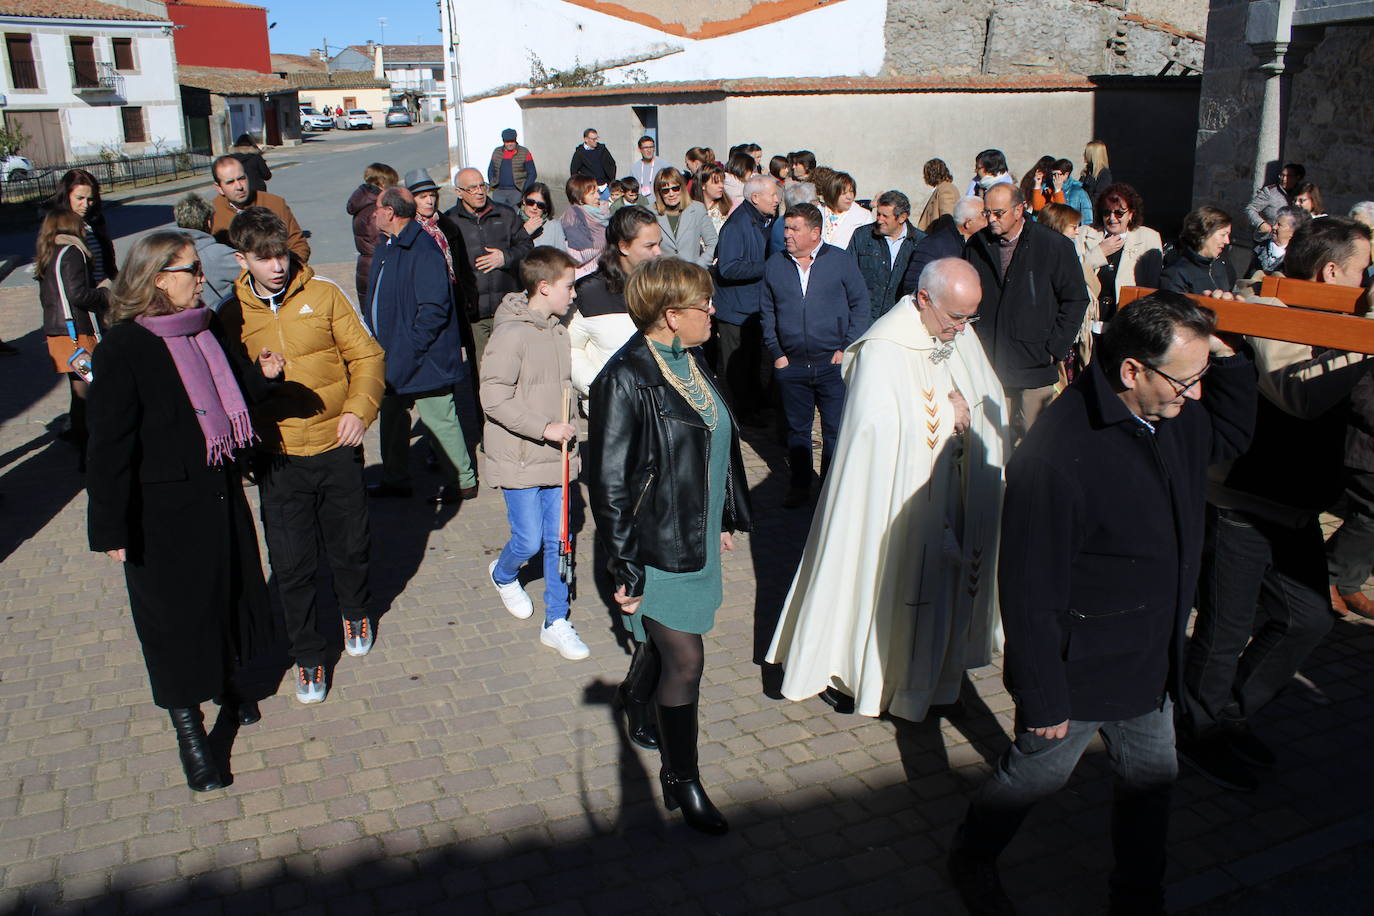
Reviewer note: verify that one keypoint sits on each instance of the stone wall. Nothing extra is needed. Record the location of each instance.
(1327, 128)
(1020, 37)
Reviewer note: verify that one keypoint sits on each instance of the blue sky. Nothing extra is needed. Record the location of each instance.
(304, 24)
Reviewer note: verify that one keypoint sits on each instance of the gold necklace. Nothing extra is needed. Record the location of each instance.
(694, 389)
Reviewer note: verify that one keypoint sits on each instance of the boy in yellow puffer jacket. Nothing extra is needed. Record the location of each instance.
(312, 428)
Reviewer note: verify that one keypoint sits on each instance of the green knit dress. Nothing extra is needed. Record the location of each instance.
(688, 601)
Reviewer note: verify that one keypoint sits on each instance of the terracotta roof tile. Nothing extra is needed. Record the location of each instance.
(229, 81)
(296, 63)
(404, 54)
(74, 9)
(828, 85)
(336, 79)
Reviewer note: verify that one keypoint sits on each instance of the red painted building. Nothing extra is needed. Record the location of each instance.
(221, 33)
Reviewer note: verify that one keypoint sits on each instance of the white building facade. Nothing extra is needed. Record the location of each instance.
(103, 82)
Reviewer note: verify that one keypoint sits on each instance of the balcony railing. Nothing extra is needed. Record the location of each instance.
(417, 85)
(97, 77)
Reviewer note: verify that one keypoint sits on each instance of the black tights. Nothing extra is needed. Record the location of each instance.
(681, 658)
(76, 413)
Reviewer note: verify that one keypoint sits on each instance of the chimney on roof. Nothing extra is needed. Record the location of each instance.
(378, 71)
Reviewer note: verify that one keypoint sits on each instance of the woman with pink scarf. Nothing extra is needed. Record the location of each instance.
(166, 417)
(584, 223)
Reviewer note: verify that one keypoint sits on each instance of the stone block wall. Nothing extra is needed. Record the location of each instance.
(1013, 38)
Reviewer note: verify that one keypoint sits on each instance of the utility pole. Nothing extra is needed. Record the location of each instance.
(453, 86)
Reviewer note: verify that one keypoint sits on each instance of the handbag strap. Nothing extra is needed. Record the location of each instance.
(66, 305)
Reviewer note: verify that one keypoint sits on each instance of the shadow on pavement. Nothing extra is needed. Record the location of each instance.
(36, 490)
(28, 377)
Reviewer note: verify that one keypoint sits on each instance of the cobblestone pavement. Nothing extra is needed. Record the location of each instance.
(464, 768)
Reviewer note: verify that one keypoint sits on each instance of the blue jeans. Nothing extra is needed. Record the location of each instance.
(804, 387)
(535, 515)
(1145, 764)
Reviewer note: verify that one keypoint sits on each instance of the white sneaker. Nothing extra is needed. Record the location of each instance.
(358, 637)
(310, 685)
(512, 595)
(561, 636)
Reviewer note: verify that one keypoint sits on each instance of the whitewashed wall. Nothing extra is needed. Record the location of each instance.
(495, 41)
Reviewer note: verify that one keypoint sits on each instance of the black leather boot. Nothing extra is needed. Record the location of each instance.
(633, 696)
(202, 774)
(677, 741)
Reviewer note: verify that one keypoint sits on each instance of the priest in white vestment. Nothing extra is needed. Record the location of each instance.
(896, 595)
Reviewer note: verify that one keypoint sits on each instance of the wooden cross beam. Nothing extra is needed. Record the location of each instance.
(1316, 314)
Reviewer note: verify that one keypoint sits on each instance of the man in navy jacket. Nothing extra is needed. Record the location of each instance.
(740, 256)
(410, 310)
(815, 304)
(948, 241)
(1102, 533)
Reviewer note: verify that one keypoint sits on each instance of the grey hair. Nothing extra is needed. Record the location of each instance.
(193, 212)
(1298, 215)
(899, 202)
(757, 184)
(966, 209)
(799, 192)
(939, 277)
(1364, 212)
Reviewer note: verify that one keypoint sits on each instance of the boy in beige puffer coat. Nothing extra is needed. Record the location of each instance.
(526, 370)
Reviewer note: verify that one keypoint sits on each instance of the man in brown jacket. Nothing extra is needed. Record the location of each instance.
(311, 473)
(235, 196)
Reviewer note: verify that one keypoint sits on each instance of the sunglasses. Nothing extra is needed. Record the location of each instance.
(669, 189)
(531, 202)
(192, 268)
(1118, 213)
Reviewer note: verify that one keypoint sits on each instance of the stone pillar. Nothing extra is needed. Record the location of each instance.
(1279, 60)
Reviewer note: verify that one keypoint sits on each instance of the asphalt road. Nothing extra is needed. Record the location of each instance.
(315, 178)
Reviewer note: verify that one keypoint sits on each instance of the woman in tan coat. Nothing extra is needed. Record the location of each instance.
(526, 390)
(942, 199)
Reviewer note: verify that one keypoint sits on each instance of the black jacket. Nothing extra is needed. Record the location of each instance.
(594, 296)
(598, 163)
(69, 276)
(946, 242)
(1028, 320)
(1186, 271)
(256, 168)
(648, 459)
(1101, 540)
(194, 574)
(499, 227)
(883, 275)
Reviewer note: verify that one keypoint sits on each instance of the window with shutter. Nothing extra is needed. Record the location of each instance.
(133, 124)
(23, 70)
(123, 53)
(84, 72)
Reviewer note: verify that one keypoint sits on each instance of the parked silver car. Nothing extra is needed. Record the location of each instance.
(314, 120)
(398, 117)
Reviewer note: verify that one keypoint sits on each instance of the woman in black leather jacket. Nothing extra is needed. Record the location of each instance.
(1199, 263)
(667, 490)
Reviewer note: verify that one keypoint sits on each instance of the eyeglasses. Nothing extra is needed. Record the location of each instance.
(694, 308)
(671, 189)
(1118, 213)
(1180, 387)
(472, 189)
(997, 214)
(531, 202)
(192, 268)
(964, 320)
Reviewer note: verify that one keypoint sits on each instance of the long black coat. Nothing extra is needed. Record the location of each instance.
(195, 579)
(1029, 318)
(1101, 540)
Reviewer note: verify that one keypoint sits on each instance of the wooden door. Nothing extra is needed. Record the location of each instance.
(44, 130)
(271, 120)
(84, 74)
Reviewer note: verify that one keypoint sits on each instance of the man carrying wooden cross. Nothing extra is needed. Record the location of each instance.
(1263, 546)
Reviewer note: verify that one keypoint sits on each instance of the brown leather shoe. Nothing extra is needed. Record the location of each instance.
(468, 492)
(1338, 603)
(1358, 603)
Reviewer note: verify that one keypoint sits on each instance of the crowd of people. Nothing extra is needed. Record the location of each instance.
(970, 369)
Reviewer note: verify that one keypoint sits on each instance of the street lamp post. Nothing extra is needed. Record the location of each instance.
(453, 91)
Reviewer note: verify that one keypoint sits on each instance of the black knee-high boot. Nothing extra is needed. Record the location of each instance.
(202, 774)
(635, 692)
(677, 741)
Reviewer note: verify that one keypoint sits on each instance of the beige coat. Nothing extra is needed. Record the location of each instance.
(526, 367)
(941, 202)
(1138, 241)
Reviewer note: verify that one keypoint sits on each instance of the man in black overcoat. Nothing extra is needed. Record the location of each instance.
(1101, 539)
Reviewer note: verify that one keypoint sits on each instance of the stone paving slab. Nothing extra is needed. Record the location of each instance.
(462, 767)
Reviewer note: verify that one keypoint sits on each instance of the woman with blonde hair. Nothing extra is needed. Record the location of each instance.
(667, 490)
(840, 215)
(688, 232)
(1097, 173)
(944, 196)
(165, 498)
(72, 303)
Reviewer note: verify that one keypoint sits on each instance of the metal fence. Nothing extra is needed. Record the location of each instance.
(111, 173)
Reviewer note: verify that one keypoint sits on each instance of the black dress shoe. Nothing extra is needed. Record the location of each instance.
(837, 700)
(1213, 756)
(249, 714)
(1251, 749)
(979, 885)
(389, 491)
(448, 495)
